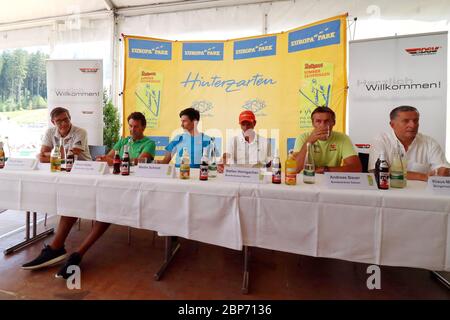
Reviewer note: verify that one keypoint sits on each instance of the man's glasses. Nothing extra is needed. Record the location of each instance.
(61, 121)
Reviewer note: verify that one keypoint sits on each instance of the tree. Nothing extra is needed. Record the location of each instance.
(111, 124)
(22, 79)
(19, 70)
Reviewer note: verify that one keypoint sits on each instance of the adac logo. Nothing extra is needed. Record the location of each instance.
(255, 105)
(321, 35)
(203, 107)
(89, 70)
(424, 51)
(149, 49)
(253, 48)
(203, 51)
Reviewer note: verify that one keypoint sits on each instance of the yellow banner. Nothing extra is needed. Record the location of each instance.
(280, 77)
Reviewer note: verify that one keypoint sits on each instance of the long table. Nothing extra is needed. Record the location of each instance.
(405, 227)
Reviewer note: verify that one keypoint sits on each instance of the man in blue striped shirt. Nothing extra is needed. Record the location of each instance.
(191, 139)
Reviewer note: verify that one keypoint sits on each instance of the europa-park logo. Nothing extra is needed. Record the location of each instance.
(423, 51)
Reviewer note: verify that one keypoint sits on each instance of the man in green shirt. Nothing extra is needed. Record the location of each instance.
(332, 151)
(140, 147)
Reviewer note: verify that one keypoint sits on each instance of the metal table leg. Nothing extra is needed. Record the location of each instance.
(34, 224)
(245, 280)
(170, 251)
(438, 276)
(29, 240)
(27, 226)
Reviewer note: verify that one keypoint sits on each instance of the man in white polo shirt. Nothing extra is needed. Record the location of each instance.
(76, 139)
(423, 154)
(247, 148)
(73, 137)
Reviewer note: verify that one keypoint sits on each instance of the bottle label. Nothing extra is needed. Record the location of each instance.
(184, 171)
(55, 164)
(125, 168)
(69, 164)
(397, 176)
(276, 175)
(309, 173)
(291, 171)
(384, 180)
(204, 172)
(291, 176)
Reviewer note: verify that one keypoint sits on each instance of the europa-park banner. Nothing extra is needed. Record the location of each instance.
(280, 77)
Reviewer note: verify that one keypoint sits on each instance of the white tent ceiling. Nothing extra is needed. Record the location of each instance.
(27, 10)
(24, 10)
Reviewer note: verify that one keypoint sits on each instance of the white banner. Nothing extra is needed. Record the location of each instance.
(389, 72)
(77, 85)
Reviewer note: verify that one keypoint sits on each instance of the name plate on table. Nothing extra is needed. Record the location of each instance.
(439, 185)
(242, 174)
(153, 170)
(90, 167)
(21, 164)
(342, 180)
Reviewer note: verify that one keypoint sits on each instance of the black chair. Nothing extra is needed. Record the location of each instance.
(364, 158)
(97, 151)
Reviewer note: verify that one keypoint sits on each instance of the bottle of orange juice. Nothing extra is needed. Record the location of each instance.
(185, 165)
(290, 168)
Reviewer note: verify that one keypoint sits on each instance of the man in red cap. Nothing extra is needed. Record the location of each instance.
(247, 148)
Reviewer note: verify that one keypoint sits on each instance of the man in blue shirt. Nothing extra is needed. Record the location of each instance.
(191, 139)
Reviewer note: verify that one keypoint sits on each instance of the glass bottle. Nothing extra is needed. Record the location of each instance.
(185, 165)
(2, 156)
(70, 158)
(116, 163)
(204, 165)
(212, 159)
(125, 164)
(309, 169)
(55, 158)
(398, 170)
(290, 177)
(276, 168)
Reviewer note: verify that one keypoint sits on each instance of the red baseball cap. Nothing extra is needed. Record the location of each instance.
(247, 115)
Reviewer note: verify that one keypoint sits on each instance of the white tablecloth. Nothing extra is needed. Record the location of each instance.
(407, 227)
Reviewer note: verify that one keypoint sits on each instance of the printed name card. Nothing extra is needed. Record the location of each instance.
(241, 174)
(90, 167)
(21, 164)
(153, 170)
(343, 180)
(439, 185)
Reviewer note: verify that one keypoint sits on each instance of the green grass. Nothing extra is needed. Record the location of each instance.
(27, 116)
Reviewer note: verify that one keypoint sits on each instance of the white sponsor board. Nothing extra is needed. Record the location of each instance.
(77, 85)
(389, 72)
